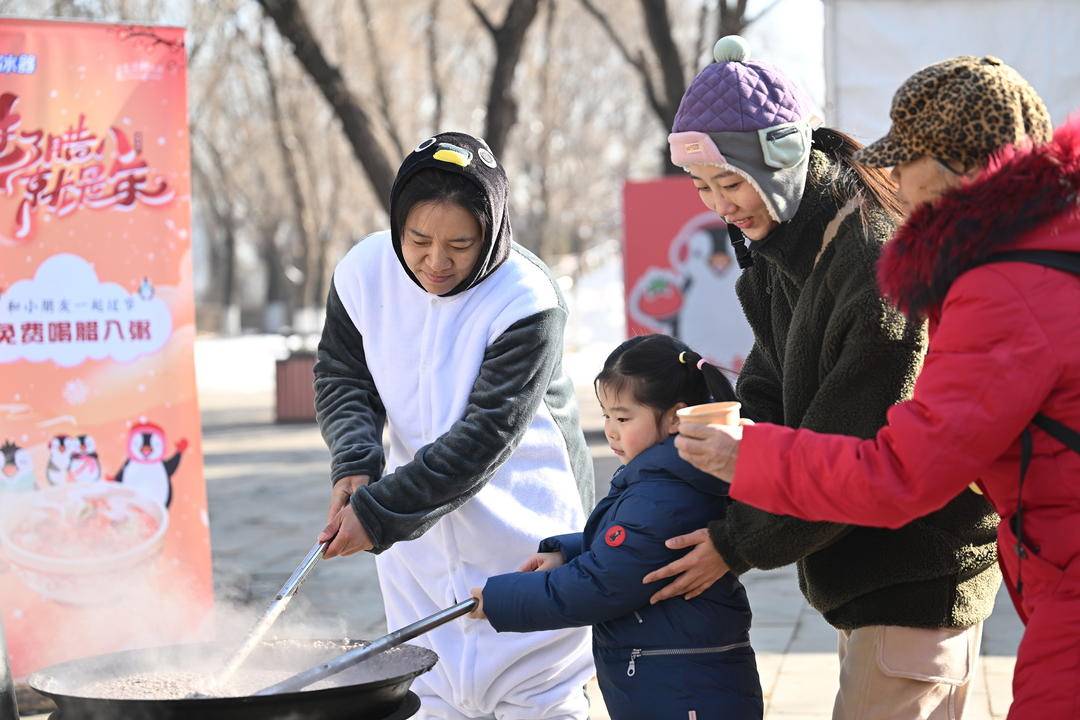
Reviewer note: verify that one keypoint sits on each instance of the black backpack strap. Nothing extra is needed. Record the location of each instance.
(1067, 262)
(1058, 260)
(1018, 518)
(1059, 431)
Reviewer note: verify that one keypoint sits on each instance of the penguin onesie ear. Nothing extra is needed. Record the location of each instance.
(469, 163)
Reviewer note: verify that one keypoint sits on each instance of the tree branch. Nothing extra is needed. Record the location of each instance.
(699, 45)
(762, 14)
(484, 19)
(379, 70)
(658, 25)
(291, 22)
(509, 40)
(605, 23)
(300, 210)
(638, 63)
(433, 65)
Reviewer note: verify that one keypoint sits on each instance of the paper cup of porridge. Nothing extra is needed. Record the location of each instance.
(84, 544)
(717, 413)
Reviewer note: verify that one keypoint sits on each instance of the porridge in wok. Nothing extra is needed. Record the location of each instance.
(160, 682)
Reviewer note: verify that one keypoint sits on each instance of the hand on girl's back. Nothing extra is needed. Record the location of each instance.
(542, 561)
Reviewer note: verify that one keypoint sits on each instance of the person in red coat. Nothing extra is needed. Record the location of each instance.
(997, 402)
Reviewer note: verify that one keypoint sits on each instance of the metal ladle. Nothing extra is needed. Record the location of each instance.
(277, 606)
(356, 655)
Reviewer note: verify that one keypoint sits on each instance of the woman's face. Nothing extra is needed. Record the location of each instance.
(729, 195)
(441, 242)
(924, 180)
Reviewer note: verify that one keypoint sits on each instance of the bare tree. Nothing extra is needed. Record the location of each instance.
(287, 147)
(378, 71)
(220, 197)
(731, 17)
(665, 60)
(509, 39)
(293, 25)
(664, 95)
(433, 65)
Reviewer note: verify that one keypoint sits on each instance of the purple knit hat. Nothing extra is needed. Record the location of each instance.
(746, 116)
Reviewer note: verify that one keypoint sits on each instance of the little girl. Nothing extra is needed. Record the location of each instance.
(676, 659)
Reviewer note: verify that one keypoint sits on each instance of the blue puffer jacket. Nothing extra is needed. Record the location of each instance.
(677, 659)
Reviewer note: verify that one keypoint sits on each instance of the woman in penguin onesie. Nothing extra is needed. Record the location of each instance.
(451, 333)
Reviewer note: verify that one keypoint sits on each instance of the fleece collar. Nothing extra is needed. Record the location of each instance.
(1023, 187)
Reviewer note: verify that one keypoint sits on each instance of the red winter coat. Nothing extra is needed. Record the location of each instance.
(1004, 345)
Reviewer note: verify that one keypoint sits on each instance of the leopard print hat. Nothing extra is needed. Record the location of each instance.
(960, 110)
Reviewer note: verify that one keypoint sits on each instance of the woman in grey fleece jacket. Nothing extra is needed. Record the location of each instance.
(832, 356)
(449, 332)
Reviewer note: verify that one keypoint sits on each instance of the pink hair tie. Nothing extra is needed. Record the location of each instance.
(700, 363)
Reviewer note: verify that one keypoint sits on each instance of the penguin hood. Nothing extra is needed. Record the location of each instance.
(470, 158)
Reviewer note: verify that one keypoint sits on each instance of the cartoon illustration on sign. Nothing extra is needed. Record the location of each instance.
(17, 473)
(146, 470)
(694, 297)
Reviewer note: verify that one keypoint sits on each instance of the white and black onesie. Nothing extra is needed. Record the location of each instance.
(486, 453)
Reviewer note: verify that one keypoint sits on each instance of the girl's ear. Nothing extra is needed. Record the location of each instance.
(669, 423)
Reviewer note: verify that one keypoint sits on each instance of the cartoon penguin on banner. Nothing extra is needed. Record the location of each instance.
(85, 464)
(710, 319)
(17, 473)
(61, 448)
(146, 471)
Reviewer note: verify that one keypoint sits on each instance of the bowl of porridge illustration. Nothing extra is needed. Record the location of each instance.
(84, 544)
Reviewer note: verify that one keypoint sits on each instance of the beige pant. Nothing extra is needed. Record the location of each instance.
(900, 673)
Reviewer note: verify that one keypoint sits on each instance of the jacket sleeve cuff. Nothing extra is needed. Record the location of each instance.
(508, 598)
(361, 502)
(570, 545)
(370, 466)
(725, 544)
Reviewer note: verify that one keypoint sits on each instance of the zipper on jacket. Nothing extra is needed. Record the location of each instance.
(636, 653)
(639, 618)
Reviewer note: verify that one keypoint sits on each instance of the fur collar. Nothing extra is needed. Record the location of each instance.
(1022, 188)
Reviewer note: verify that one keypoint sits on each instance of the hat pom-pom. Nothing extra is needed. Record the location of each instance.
(731, 48)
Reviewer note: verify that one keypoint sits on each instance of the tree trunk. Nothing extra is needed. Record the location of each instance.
(731, 18)
(379, 72)
(297, 201)
(433, 66)
(542, 223)
(222, 207)
(291, 22)
(509, 38)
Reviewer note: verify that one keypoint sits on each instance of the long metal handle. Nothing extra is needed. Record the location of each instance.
(276, 607)
(352, 657)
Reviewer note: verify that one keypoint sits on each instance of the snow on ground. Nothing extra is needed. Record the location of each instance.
(231, 368)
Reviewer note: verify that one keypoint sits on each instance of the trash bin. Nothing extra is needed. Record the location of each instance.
(295, 388)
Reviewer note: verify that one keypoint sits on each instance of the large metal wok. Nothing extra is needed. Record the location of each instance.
(377, 688)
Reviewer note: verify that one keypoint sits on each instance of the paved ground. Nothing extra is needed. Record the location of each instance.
(268, 500)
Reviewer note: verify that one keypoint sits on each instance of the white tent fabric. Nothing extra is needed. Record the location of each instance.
(872, 46)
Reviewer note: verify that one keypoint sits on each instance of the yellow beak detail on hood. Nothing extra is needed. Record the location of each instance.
(457, 156)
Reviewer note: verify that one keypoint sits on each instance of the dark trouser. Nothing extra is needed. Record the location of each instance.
(680, 687)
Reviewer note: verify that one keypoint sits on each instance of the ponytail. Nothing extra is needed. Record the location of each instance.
(718, 385)
(874, 184)
(660, 372)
